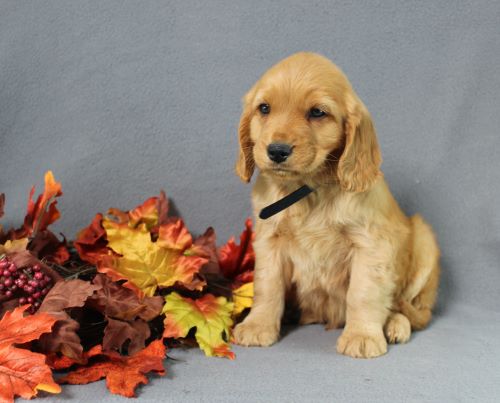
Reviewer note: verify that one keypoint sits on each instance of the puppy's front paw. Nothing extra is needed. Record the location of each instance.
(361, 344)
(251, 333)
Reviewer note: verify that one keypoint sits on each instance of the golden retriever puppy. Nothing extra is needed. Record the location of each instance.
(348, 252)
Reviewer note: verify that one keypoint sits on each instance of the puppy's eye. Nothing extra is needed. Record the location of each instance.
(316, 113)
(264, 109)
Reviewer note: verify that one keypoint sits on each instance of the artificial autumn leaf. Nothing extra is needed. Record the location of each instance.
(22, 372)
(153, 212)
(123, 373)
(91, 243)
(205, 246)
(60, 362)
(118, 332)
(64, 295)
(209, 314)
(242, 298)
(43, 212)
(14, 246)
(47, 246)
(2, 205)
(121, 303)
(237, 261)
(147, 265)
(39, 216)
(127, 314)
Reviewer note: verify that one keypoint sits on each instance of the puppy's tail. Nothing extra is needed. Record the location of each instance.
(419, 318)
(420, 294)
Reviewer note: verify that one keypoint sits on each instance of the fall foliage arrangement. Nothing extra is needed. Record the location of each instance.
(113, 301)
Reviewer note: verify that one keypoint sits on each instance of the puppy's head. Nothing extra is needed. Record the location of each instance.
(303, 120)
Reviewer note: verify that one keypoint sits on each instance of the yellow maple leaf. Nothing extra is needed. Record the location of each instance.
(147, 264)
(242, 298)
(17, 245)
(209, 314)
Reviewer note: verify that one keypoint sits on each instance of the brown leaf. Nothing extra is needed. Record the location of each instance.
(64, 337)
(114, 300)
(2, 204)
(65, 294)
(205, 246)
(45, 245)
(117, 332)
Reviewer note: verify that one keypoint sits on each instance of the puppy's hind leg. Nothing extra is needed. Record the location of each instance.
(420, 294)
(397, 328)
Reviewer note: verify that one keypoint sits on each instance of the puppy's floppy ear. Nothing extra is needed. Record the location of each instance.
(359, 164)
(245, 164)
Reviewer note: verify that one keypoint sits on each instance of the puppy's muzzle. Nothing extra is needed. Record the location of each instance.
(279, 152)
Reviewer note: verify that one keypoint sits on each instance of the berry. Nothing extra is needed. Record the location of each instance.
(30, 284)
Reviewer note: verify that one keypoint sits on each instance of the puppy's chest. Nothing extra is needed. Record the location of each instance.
(317, 249)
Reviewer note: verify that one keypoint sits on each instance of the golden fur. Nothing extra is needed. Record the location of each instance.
(347, 253)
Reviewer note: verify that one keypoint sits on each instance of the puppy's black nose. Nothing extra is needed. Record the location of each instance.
(278, 152)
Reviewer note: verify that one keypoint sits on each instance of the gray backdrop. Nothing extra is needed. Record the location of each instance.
(124, 98)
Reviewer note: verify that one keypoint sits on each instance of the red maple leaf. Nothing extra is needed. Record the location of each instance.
(237, 261)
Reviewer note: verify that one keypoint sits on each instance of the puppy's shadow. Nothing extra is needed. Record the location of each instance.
(290, 322)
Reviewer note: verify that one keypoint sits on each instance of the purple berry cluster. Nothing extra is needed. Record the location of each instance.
(27, 283)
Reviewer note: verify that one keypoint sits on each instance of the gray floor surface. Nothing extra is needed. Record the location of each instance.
(454, 360)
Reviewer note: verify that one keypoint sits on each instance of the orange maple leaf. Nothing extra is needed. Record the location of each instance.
(91, 242)
(40, 214)
(43, 212)
(22, 372)
(123, 373)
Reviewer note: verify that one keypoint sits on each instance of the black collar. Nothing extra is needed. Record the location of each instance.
(285, 202)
